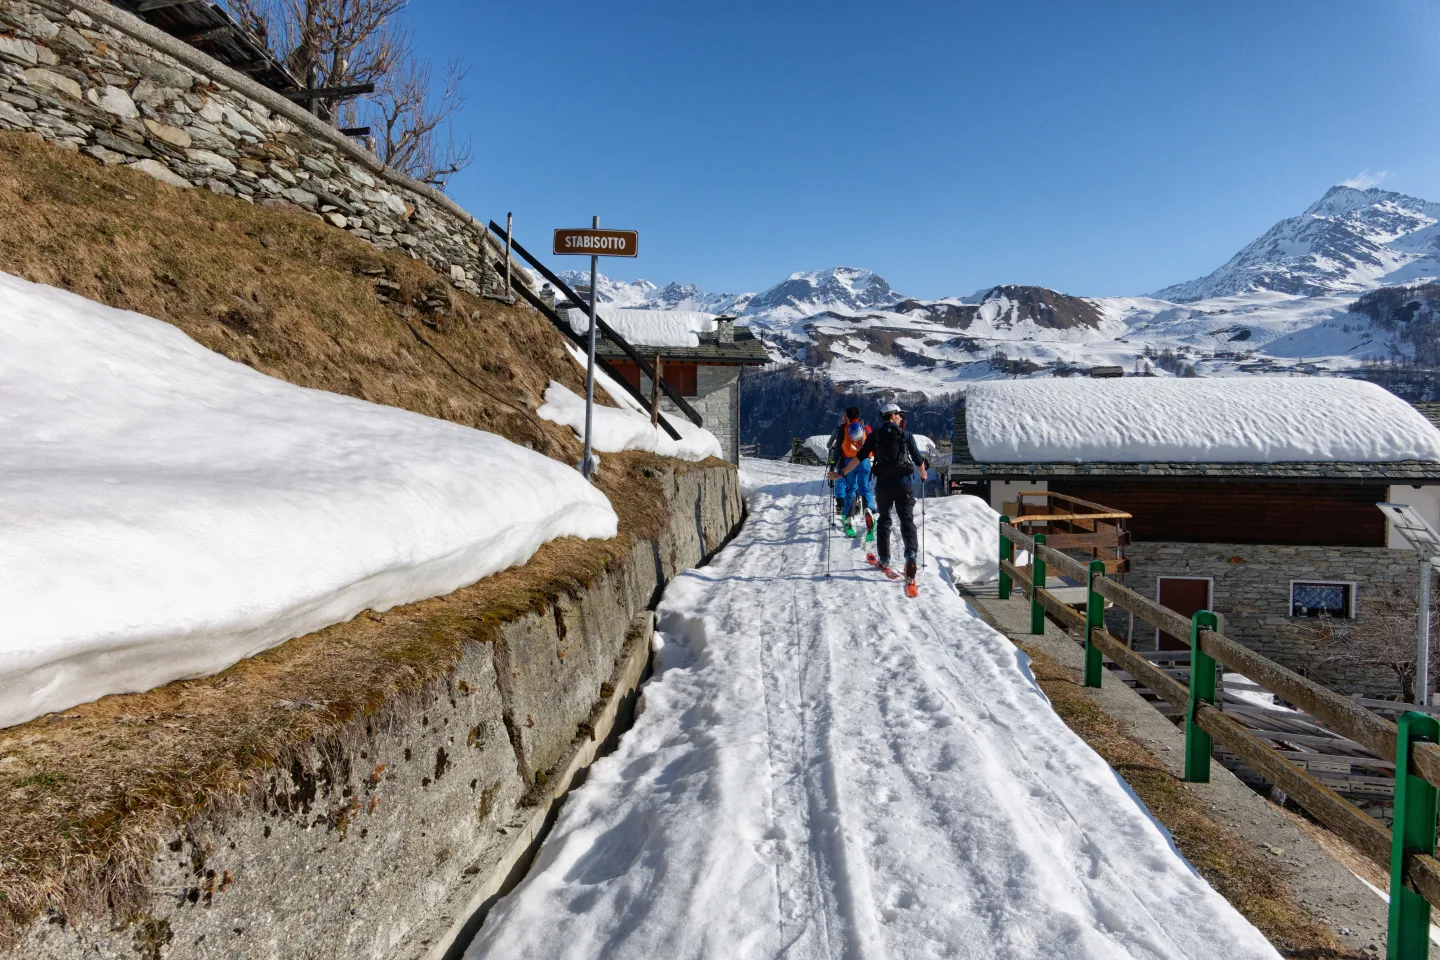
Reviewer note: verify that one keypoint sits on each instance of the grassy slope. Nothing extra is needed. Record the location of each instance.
(83, 794)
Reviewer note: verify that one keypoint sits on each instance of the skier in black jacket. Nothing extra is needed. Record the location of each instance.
(896, 457)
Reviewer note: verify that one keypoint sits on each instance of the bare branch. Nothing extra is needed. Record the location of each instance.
(333, 43)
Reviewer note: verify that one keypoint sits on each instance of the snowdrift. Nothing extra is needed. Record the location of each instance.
(169, 512)
(1224, 420)
(626, 428)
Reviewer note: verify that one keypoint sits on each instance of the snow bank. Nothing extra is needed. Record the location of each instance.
(963, 535)
(651, 328)
(168, 512)
(618, 429)
(1225, 420)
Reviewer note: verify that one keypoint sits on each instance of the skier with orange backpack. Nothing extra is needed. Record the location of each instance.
(854, 483)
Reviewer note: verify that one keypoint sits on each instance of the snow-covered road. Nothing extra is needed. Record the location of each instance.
(827, 769)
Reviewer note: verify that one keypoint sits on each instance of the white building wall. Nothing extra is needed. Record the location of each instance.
(1008, 491)
(1426, 500)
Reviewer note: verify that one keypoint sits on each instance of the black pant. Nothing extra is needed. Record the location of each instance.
(895, 492)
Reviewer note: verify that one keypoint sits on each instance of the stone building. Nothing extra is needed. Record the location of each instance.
(1275, 546)
(703, 366)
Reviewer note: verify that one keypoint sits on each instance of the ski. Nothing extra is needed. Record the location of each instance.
(849, 529)
(911, 589)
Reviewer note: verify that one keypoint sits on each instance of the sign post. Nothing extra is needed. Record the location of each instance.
(597, 243)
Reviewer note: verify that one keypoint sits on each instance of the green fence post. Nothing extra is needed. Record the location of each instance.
(1037, 583)
(1198, 745)
(1094, 620)
(1414, 832)
(1007, 552)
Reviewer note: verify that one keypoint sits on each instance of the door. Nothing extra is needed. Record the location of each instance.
(1184, 595)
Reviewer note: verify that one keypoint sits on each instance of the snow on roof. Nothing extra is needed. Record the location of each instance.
(650, 328)
(1219, 420)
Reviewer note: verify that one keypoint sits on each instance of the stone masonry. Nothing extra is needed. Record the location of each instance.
(87, 76)
(717, 400)
(1252, 594)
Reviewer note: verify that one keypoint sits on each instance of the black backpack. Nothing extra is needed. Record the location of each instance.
(892, 454)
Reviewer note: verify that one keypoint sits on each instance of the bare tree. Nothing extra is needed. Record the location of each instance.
(1383, 638)
(338, 43)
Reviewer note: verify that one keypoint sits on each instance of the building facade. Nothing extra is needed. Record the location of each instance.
(1288, 554)
(706, 375)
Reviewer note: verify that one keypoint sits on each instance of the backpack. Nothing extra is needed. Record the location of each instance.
(892, 454)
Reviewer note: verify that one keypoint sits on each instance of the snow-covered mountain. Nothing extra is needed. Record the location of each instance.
(1286, 302)
(1347, 242)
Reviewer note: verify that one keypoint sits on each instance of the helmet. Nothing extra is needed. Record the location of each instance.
(888, 408)
(857, 431)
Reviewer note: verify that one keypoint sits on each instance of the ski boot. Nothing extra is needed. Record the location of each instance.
(869, 527)
(911, 588)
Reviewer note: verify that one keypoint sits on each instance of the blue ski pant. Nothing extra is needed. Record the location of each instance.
(856, 484)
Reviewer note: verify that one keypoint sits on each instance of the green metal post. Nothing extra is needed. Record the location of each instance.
(1414, 832)
(1037, 583)
(1198, 745)
(1007, 552)
(1094, 620)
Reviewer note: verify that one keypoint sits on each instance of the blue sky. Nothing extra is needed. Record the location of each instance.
(1096, 148)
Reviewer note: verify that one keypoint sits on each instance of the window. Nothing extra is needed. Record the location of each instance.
(1322, 599)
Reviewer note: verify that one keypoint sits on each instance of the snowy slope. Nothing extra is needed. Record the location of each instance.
(1348, 241)
(825, 768)
(1219, 420)
(168, 512)
(1280, 305)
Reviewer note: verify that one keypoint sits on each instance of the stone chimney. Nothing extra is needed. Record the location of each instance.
(725, 330)
(547, 296)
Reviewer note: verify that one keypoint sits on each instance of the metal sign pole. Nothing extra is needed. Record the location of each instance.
(586, 466)
(1422, 631)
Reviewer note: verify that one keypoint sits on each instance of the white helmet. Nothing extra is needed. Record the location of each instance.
(889, 407)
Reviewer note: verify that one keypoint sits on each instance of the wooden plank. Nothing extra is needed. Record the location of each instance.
(1340, 714)
(1022, 541)
(1063, 564)
(1078, 541)
(1322, 803)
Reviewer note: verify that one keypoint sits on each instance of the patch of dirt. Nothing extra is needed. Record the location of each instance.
(1223, 857)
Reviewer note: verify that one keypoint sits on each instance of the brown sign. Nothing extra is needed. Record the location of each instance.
(598, 243)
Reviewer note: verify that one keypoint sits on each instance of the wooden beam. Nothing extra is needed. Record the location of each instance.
(329, 93)
(145, 6)
(214, 33)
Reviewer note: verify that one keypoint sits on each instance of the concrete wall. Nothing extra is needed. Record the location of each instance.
(87, 76)
(365, 846)
(1252, 593)
(717, 402)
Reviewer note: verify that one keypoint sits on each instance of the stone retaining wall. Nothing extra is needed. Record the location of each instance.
(87, 76)
(368, 848)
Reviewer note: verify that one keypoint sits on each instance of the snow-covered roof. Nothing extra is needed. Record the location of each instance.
(1244, 420)
(650, 328)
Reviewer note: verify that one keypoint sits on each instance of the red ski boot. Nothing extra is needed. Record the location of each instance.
(911, 588)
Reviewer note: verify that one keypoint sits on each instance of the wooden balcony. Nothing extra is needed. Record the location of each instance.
(1087, 531)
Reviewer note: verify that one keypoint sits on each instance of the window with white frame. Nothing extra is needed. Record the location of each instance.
(1310, 598)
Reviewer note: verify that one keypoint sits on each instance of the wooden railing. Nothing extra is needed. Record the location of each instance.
(1070, 523)
(1407, 851)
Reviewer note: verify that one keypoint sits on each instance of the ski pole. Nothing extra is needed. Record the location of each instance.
(922, 522)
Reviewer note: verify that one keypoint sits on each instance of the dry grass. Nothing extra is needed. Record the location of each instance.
(86, 793)
(1252, 885)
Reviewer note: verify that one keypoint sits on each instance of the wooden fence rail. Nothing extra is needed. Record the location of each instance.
(1416, 868)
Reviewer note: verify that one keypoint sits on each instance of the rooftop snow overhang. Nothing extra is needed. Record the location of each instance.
(1409, 472)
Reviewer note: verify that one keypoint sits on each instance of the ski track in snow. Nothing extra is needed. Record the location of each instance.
(828, 769)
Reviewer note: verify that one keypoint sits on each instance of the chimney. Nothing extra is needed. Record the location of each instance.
(547, 296)
(725, 329)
